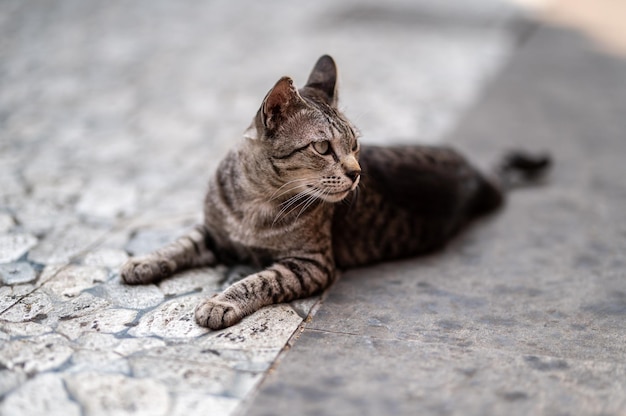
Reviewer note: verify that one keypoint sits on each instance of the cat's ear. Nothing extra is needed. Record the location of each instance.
(324, 78)
(282, 101)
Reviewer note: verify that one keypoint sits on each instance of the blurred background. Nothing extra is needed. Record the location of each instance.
(107, 107)
(142, 89)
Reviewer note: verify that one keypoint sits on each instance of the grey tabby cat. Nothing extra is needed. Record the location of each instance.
(286, 201)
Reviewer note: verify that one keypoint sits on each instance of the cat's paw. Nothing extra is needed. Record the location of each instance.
(147, 269)
(215, 314)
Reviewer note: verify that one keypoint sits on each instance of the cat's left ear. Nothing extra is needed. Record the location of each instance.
(324, 78)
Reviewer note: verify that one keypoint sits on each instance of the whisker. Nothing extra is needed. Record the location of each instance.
(274, 196)
(302, 199)
(312, 198)
(285, 210)
(310, 194)
(294, 188)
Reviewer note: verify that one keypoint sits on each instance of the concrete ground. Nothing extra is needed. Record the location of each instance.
(524, 314)
(112, 117)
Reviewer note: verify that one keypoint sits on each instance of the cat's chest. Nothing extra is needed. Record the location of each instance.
(254, 229)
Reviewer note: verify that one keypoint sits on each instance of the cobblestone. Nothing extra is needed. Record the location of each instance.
(205, 281)
(35, 355)
(131, 297)
(6, 222)
(82, 305)
(109, 321)
(14, 246)
(189, 376)
(17, 273)
(72, 280)
(199, 403)
(60, 246)
(106, 257)
(174, 318)
(32, 306)
(43, 395)
(98, 361)
(269, 328)
(107, 199)
(115, 394)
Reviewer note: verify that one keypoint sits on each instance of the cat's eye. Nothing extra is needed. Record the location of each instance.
(323, 147)
(355, 146)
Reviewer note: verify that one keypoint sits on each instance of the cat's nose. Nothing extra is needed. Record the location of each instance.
(353, 174)
(351, 167)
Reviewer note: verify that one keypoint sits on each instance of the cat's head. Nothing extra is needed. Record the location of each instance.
(310, 146)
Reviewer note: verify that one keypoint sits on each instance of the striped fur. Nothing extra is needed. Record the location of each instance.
(286, 201)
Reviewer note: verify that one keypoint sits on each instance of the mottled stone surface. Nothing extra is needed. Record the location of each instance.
(108, 321)
(13, 246)
(200, 403)
(134, 297)
(17, 273)
(107, 199)
(35, 355)
(72, 280)
(43, 395)
(6, 222)
(115, 394)
(268, 328)
(173, 318)
(106, 257)
(61, 245)
(27, 307)
(202, 281)
(109, 130)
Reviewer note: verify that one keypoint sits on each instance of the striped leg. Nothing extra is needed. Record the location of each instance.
(286, 280)
(188, 251)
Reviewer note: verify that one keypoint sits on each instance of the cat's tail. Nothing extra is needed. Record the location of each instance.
(518, 169)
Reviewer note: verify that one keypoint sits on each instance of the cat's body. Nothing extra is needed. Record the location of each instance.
(286, 201)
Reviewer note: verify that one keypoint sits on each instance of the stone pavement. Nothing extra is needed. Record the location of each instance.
(524, 314)
(113, 115)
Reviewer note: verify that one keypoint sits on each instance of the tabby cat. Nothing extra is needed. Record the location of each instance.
(300, 198)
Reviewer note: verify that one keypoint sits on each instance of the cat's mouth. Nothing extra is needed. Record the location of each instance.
(335, 196)
(355, 183)
(329, 195)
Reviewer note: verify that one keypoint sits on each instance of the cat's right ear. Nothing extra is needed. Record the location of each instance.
(281, 101)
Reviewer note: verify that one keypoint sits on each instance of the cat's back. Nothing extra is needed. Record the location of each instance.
(411, 200)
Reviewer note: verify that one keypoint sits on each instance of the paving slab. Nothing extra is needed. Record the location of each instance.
(525, 313)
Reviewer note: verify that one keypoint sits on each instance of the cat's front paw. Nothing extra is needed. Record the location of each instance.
(215, 314)
(147, 269)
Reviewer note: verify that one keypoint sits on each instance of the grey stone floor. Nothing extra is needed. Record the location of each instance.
(113, 115)
(524, 314)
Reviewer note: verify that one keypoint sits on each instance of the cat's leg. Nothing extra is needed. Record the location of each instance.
(285, 280)
(190, 250)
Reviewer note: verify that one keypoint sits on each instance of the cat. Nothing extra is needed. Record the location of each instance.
(300, 197)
